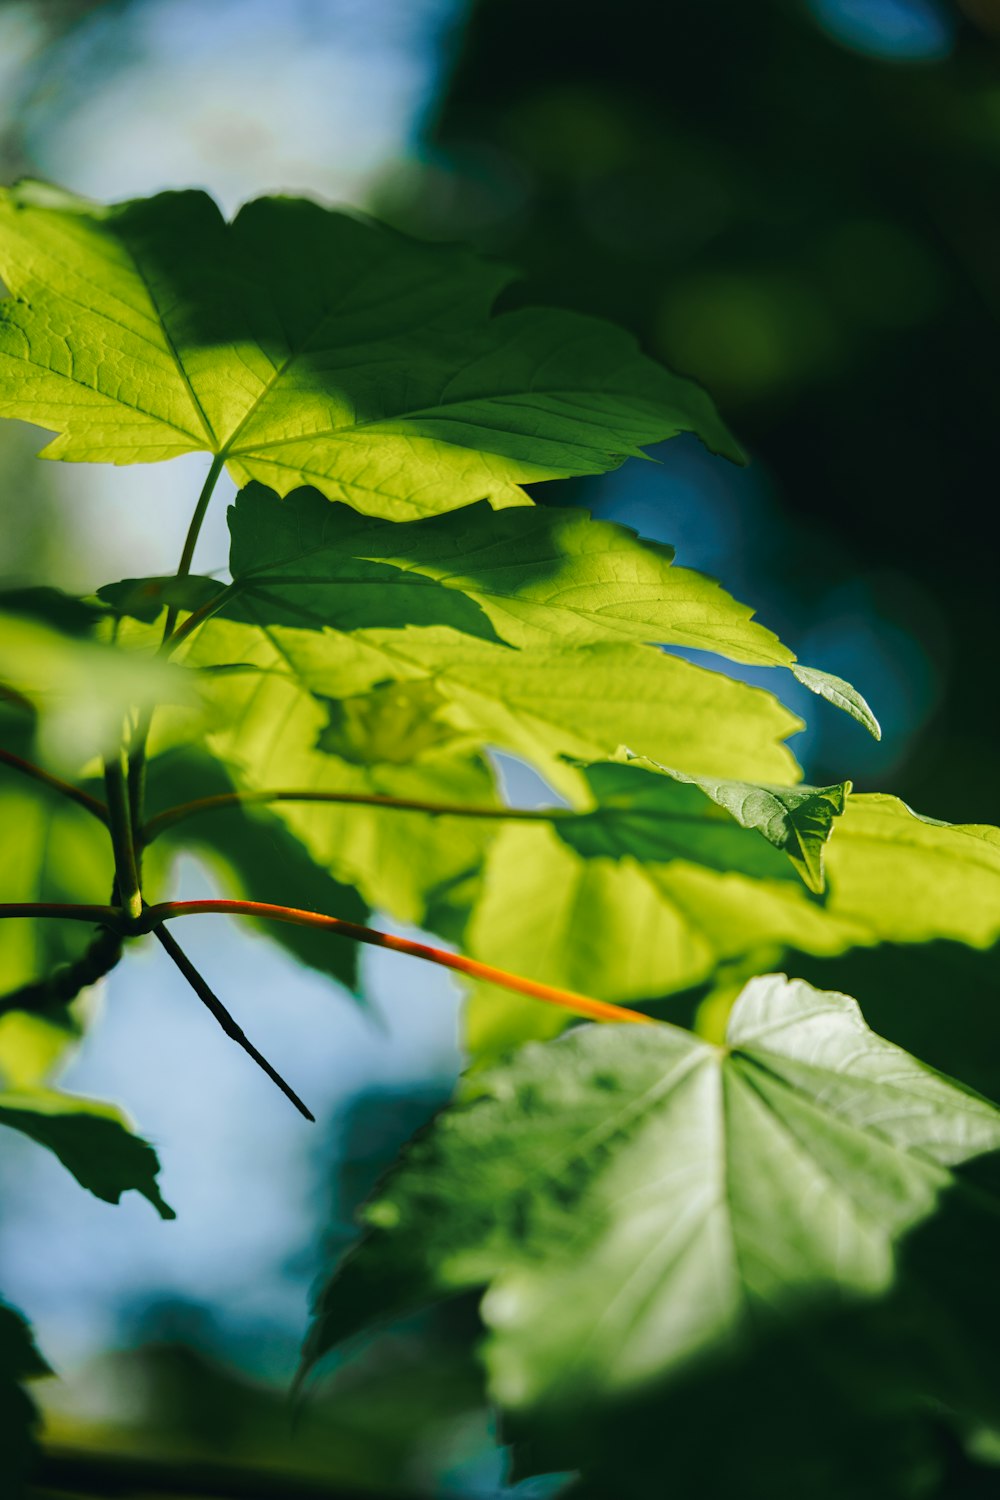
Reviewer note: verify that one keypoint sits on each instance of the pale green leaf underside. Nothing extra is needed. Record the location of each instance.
(308, 347)
(841, 694)
(634, 1199)
(93, 1141)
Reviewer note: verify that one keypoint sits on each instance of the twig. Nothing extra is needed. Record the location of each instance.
(223, 1017)
(72, 911)
(65, 788)
(581, 1005)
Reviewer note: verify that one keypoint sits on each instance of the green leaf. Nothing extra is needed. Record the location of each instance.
(19, 1361)
(545, 705)
(93, 1141)
(145, 599)
(636, 1199)
(395, 723)
(840, 693)
(52, 607)
(909, 878)
(267, 728)
(19, 1356)
(307, 347)
(80, 689)
(657, 822)
(533, 577)
(627, 930)
(623, 917)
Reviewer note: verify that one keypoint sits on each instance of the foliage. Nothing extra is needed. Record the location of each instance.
(650, 1210)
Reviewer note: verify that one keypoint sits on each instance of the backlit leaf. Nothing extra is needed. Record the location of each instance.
(835, 690)
(531, 577)
(579, 913)
(303, 346)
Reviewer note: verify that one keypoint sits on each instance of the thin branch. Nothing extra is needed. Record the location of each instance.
(65, 788)
(172, 815)
(106, 916)
(120, 823)
(581, 1005)
(225, 1020)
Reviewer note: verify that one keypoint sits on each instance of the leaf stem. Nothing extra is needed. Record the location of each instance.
(194, 619)
(123, 843)
(107, 916)
(225, 1020)
(222, 800)
(191, 540)
(65, 788)
(137, 745)
(581, 1005)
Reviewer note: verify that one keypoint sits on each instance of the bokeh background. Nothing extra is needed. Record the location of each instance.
(795, 201)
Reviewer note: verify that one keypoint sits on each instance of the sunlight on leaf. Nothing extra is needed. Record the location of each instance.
(309, 347)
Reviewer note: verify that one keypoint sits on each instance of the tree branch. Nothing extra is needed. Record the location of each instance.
(71, 911)
(64, 788)
(581, 1005)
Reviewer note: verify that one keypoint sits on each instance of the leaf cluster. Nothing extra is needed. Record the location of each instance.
(652, 1214)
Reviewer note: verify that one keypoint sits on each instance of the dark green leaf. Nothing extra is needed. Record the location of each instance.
(93, 1141)
(19, 1361)
(145, 599)
(691, 817)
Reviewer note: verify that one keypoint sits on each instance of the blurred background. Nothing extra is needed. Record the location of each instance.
(796, 202)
